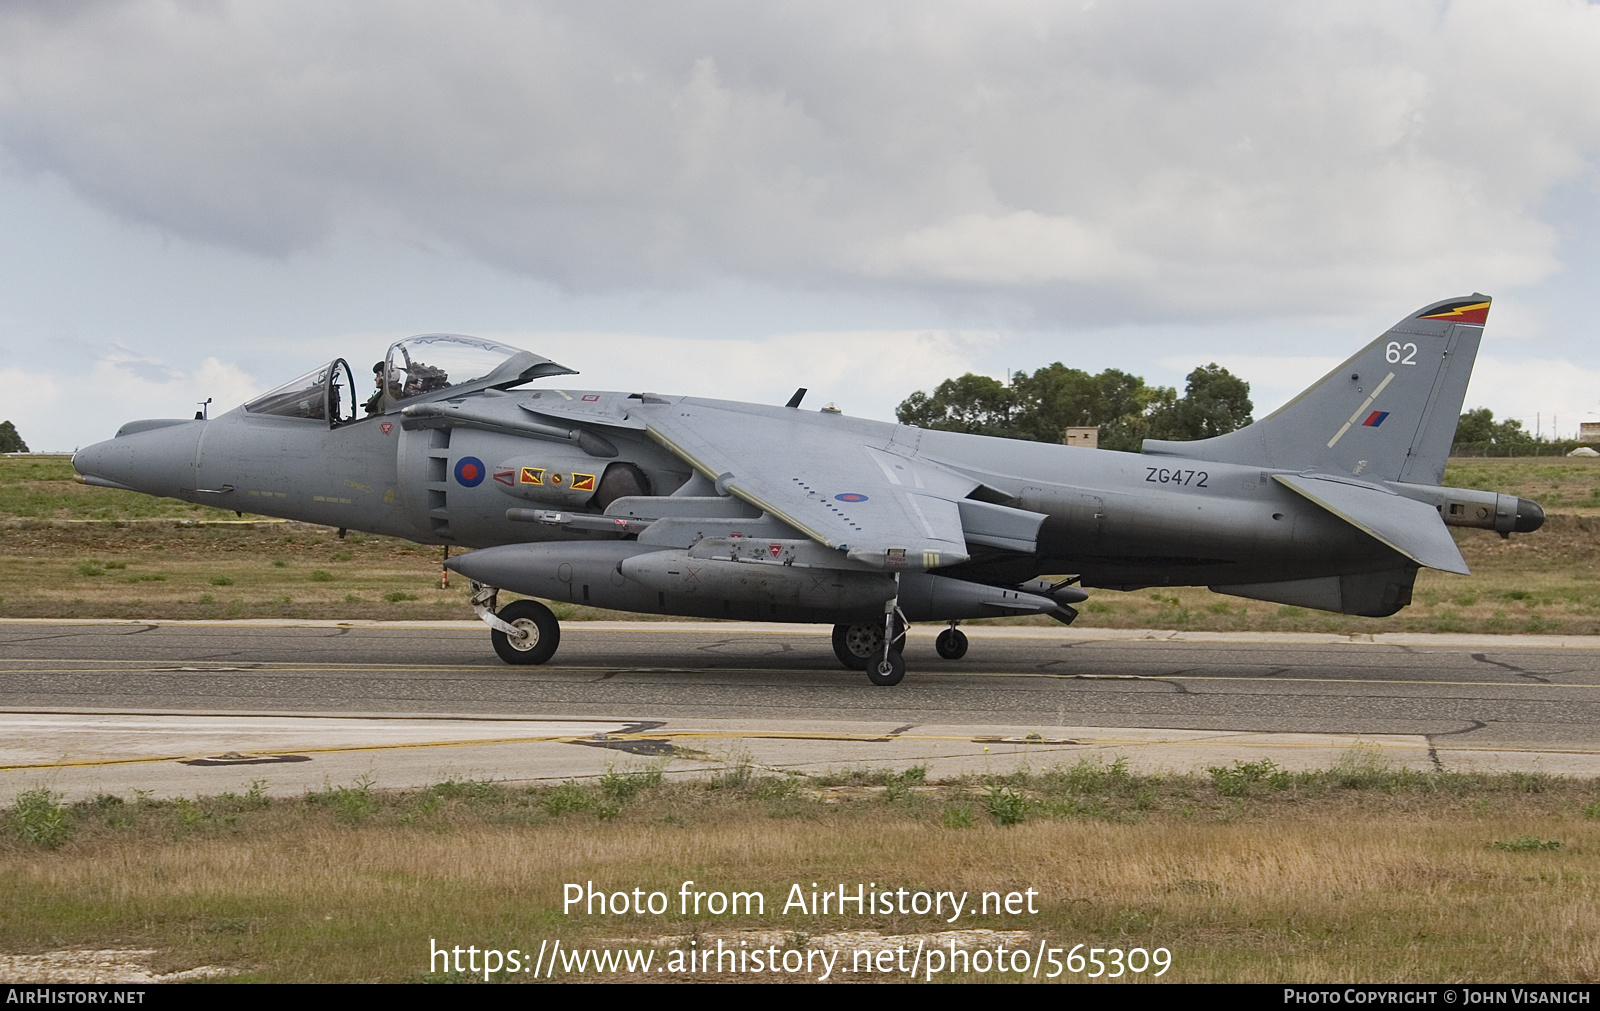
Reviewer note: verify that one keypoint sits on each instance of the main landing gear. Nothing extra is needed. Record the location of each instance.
(874, 647)
(860, 647)
(523, 632)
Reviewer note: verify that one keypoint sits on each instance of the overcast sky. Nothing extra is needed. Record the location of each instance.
(732, 200)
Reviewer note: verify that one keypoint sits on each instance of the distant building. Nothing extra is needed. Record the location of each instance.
(1589, 431)
(1089, 436)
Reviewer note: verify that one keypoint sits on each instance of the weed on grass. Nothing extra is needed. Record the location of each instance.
(352, 804)
(1006, 805)
(39, 819)
(1236, 781)
(625, 785)
(1526, 844)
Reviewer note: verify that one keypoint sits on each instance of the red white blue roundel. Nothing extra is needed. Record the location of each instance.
(851, 496)
(470, 471)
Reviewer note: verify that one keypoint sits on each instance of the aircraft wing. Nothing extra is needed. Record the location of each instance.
(824, 475)
(1412, 528)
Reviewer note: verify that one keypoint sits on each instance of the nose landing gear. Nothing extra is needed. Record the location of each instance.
(523, 632)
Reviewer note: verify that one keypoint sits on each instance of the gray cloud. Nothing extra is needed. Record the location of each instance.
(1110, 161)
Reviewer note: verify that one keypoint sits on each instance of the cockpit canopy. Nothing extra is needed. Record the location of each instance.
(429, 367)
(438, 361)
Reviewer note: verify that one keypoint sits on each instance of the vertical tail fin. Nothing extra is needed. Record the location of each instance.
(1389, 413)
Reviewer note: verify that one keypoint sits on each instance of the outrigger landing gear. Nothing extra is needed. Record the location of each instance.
(952, 643)
(889, 667)
(523, 632)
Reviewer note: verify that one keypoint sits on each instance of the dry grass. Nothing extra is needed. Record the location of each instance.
(1355, 875)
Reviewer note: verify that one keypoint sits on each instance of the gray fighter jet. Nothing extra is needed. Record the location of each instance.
(676, 505)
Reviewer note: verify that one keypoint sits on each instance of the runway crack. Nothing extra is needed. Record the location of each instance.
(1518, 671)
(1473, 726)
(1433, 754)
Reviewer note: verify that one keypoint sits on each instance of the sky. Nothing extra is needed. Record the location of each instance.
(204, 200)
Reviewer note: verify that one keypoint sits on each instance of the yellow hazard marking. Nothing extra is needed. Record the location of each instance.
(582, 482)
(532, 475)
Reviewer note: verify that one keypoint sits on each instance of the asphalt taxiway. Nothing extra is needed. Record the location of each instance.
(199, 707)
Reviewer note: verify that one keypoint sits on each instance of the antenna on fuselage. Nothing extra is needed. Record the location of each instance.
(204, 413)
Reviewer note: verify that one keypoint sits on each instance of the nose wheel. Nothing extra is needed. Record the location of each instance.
(523, 632)
(538, 633)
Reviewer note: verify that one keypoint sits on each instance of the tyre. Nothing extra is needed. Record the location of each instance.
(951, 644)
(543, 633)
(858, 645)
(887, 671)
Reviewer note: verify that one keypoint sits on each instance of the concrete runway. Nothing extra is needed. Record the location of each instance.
(117, 705)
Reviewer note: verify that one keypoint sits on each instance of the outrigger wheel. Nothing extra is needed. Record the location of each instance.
(860, 646)
(541, 633)
(951, 643)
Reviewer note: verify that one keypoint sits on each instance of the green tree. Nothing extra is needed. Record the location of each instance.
(1041, 406)
(979, 405)
(1215, 402)
(10, 441)
(1478, 427)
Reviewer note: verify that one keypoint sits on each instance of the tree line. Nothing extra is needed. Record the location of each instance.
(1042, 405)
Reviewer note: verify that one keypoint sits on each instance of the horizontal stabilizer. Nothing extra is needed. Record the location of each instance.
(1412, 528)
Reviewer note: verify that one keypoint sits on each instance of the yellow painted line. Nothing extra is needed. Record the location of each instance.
(298, 751)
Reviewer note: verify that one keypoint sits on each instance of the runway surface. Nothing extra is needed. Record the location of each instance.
(1441, 700)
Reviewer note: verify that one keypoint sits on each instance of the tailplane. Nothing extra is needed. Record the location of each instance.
(1389, 413)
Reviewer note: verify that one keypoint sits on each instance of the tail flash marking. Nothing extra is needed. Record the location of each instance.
(1364, 405)
(1473, 312)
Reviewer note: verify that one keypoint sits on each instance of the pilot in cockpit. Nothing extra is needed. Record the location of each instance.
(375, 403)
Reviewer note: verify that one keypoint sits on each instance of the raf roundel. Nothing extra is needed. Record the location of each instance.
(470, 471)
(851, 496)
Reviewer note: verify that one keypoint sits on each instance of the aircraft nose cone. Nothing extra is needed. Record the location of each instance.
(1530, 516)
(89, 460)
(157, 461)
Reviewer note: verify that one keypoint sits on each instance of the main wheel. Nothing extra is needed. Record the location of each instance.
(542, 633)
(858, 645)
(951, 644)
(887, 671)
